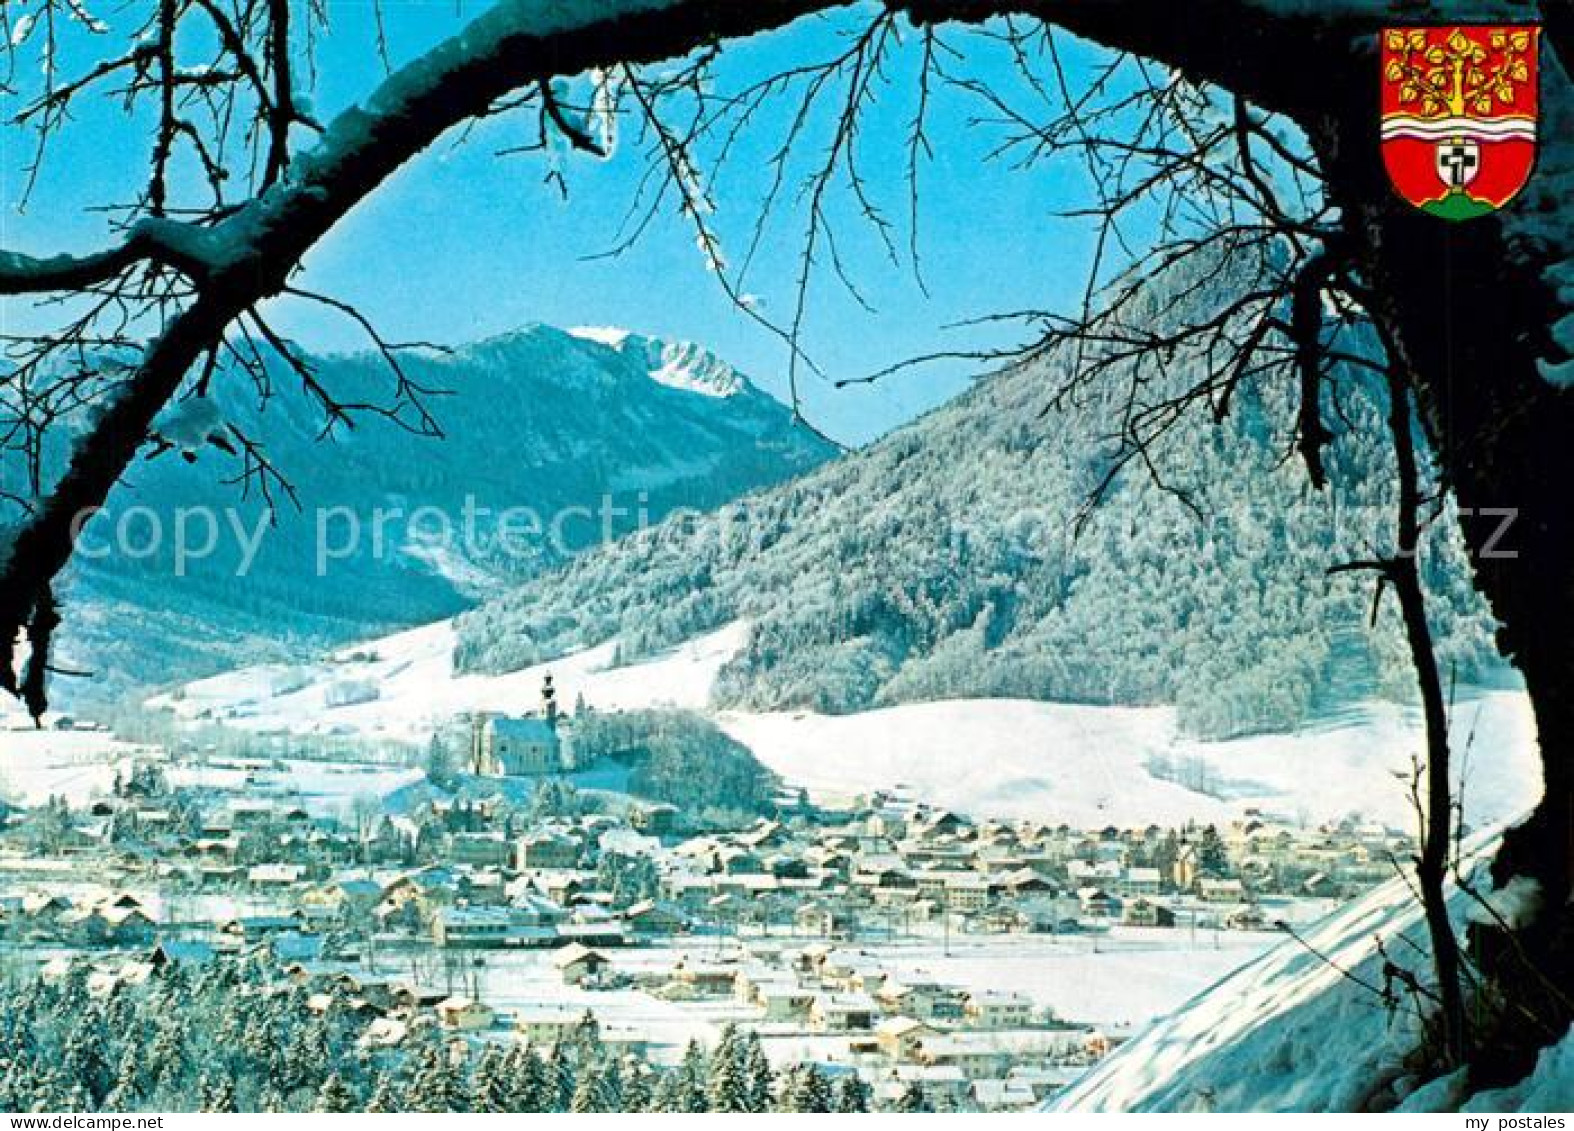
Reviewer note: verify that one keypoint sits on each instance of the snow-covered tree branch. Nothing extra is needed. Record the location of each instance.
(188, 281)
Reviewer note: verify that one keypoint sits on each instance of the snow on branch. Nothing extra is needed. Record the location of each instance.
(168, 243)
(211, 268)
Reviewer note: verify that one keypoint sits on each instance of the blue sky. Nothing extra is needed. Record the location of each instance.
(463, 243)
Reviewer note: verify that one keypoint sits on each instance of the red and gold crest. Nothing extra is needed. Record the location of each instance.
(1459, 115)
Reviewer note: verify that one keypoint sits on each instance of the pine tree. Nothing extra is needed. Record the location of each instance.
(77, 1099)
(117, 1100)
(637, 1086)
(259, 1042)
(1165, 855)
(609, 1086)
(167, 1056)
(435, 1084)
(439, 763)
(216, 1093)
(913, 1100)
(491, 1089)
(313, 1047)
(334, 1096)
(126, 1090)
(787, 1102)
(852, 1095)
(48, 1092)
(586, 1038)
(667, 1097)
(561, 1083)
(531, 1081)
(805, 1090)
(590, 1091)
(757, 1075)
(692, 1078)
(1211, 856)
(727, 1089)
(83, 1058)
(386, 1096)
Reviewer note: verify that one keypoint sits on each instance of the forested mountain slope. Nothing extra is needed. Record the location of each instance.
(575, 426)
(944, 562)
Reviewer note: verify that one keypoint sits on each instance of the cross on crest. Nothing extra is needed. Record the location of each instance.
(1458, 161)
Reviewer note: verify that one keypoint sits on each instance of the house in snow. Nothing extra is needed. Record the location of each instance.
(996, 1009)
(1211, 890)
(546, 850)
(842, 1013)
(901, 1037)
(579, 965)
(1145, 912)
(651, 917)
(464, 1014)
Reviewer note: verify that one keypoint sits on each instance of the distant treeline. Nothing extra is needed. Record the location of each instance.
(679, 757)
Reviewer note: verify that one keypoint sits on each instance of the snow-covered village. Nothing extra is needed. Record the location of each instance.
(514, 891)
(636, 874)
(796, 557)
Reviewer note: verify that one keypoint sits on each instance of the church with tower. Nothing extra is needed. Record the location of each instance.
(521, 746)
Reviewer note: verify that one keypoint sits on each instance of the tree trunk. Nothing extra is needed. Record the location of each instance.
(1435, 800)
(1470, 307)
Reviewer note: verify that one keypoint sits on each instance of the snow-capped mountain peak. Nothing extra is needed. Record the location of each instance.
(676, 364)
(591, 421)
(613, 336)
(684, 365)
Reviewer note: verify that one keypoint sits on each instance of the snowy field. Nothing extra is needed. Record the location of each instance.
(1082, 765)
(1124, 980)
(1092, 766)
(417, 689)
(38, 764)
(81, 765)
(322, 789)
(1289, 1032)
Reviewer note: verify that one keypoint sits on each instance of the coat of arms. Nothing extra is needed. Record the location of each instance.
(1459, 115)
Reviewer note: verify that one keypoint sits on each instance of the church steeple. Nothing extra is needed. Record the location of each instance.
(549, 701)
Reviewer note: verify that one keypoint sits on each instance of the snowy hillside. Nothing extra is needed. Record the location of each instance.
(412, 688)
(1091, 766)
(80, 766)
(592, 433)
(1057, 762)
(36, 765)
(1290, 1032)
(947, 561)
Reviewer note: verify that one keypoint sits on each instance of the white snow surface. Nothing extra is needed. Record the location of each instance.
(36, 765)
(322, 789)
(676, 364)
(1058, 762)
(613, 336)
(1291, 1032)
(80, 766)
(420, 691)
(692, 368)
(1091, 766)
